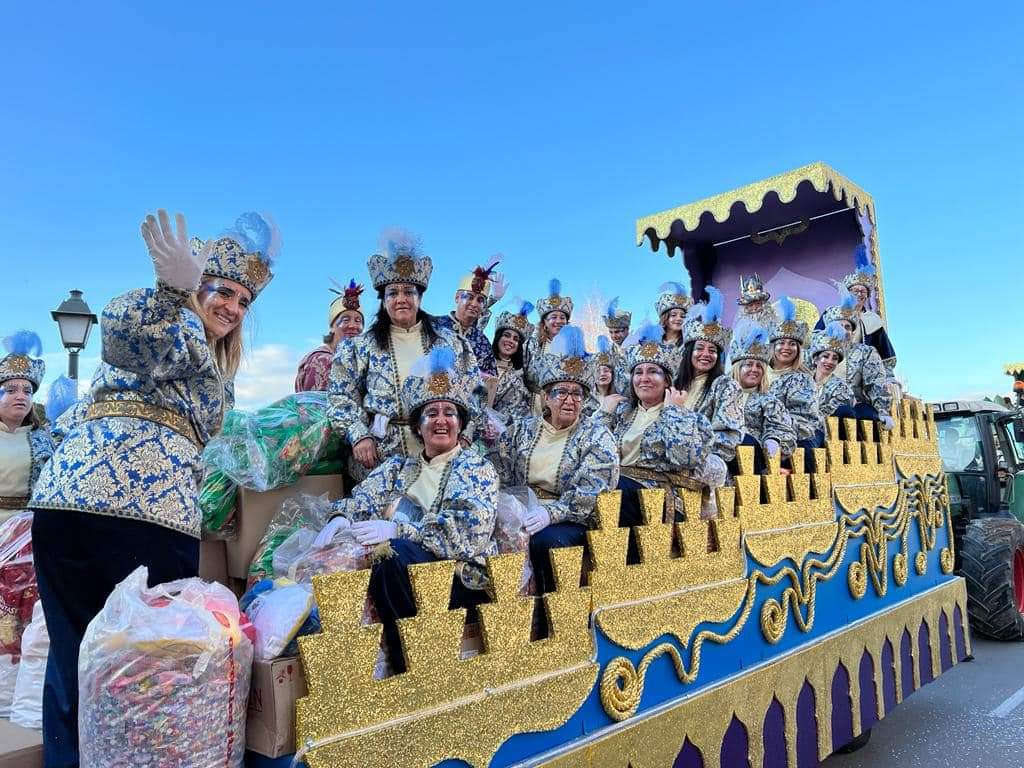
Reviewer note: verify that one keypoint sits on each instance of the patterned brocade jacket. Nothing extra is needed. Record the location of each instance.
(588, 467)
(799, 396)
(532, 349)
(155, 363)
(721, 406)
(511, 398)
(364, 382)
(314, 372)
(460, 524)
(765, 418)
(40, 445)
(476, 339)
(867, 376)
(679, 440)
(833, 395)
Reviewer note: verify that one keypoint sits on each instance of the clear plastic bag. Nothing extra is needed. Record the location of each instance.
(27, 708)
(217, 504)
(278, 611)
(164, 677)
(303, 511)
(274, 446)
(19, 593)
(297, 559)
(509, 531)
(8, 681)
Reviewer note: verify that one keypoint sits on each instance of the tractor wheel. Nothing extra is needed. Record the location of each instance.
(992, 552)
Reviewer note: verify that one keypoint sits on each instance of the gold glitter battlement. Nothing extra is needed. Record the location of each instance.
(915, 442)
(443, 706)
(860, 459)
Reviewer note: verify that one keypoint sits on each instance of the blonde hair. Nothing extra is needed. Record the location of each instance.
(799, 365)
(227, 352)
(762, 387)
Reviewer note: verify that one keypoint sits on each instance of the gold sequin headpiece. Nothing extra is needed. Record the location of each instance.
(436, 377)
(401, 260)
(705, 322)
(20, 363)
(516, 319)
(245, 253)
(672, 296)
(753, 346)
(832, 339)
(649, 349)
(554, 301)
(789, 326)
(566, 360)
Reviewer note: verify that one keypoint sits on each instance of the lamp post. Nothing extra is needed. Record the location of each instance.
(75, 320)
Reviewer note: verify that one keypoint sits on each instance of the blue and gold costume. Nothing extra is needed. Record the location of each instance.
(609, 355)
(794, 387)
(511, 397)
(764, 416)
(536, 346)
(862, 367)
(474, 338)
(834, 395)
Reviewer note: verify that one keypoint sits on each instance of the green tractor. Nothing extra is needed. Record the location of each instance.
(982, 448)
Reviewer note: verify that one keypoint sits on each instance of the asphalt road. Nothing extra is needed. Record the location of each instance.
(970, 717)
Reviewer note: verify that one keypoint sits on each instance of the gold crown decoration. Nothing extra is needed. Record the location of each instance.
(751, 290)
(566, 359)
(436, 377)
(554, 301)
(23, 360)
(244, 253)
(705, 322)
(479, 280)
(753, 346)
(649, 349)
(864, 272)
(672, 296)
(400, 260)
(615, 317)
(832, 339)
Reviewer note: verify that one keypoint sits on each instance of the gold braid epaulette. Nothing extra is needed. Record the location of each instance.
(135, 410)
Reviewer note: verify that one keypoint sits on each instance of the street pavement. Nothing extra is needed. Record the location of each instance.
(970, 717)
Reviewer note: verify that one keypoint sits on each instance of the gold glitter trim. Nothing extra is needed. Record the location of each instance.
(256, 270)
(404, 266)
(574, 366)
(136, 410)
(18, 364)
(438, 384)
(444, 706)
(704, 718)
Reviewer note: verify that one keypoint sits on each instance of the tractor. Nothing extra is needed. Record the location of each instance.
(981, 444)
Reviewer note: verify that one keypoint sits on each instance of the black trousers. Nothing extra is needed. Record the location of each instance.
(759, 462)
(79, 559)
(392, 594)
(541, 544)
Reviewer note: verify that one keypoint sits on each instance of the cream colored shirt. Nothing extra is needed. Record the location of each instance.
(408, 348)
(697, 387)
(631, 440)
(425, 488)
(15, 461)
(547, 455)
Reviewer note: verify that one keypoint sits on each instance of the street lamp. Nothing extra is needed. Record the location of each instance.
(75, 320)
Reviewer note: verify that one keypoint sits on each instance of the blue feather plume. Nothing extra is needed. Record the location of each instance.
(713, 310)
(836, 331)
(439, 360)
(526, 308)
(650, 332)
(554, 287)
(62, 395)
(24, 343)
(787, 310)
(568, 343)
(864, 265)
(613, 308)
(848, 301)
(604, 345)
(755, 335)
(256, 232)
(674, 288)
(395, 242)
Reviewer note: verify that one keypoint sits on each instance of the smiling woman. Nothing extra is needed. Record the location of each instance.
(121, 489)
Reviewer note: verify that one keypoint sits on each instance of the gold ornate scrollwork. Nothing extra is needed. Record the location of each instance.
(774, 619)
(899, 569)
(921, 563)
(946, 560)
(857, 580)
(621, 687)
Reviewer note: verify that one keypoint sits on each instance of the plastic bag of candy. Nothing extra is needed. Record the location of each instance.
(280, 611)
(302, 511)
(299, 560)
(510, 533)
(274, 446)
(164, 677)
(18, 596)
(217, 504)
(27, 707)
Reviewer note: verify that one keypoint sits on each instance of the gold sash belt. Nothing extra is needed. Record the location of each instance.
(133, 409)
(13, 502)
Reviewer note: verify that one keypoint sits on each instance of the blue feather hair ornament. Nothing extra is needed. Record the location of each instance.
(676, 289)
(835, 330)
(604, 345)
(848, 301)
(439, 360)
(554, 287)
(712, 312)
(787, 310)
(755, 335)
(568, 343)
(613, 308)
(63, 394)
(864, 265)
(649, 332)
(395, 242)
(257, 233)
(25, 343)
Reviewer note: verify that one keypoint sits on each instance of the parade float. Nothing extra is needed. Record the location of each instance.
(774, 634)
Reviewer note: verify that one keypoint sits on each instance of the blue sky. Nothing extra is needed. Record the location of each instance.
(539, 130)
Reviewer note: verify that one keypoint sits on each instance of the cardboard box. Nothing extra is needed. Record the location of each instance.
(213, 560)
(20, 747)
(270, 722)
(255, 510)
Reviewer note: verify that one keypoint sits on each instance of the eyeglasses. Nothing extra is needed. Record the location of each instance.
(567, 394)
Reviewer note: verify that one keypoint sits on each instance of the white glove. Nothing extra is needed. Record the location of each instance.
(536, 519)
(887, 422)
(326, 536)
(173, 260)
(498, 286)
(771, 445)
(370, 533)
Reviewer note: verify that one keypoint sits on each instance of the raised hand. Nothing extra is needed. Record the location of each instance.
(610, 402)
(498, 286)
(675, 396)
(172, 256)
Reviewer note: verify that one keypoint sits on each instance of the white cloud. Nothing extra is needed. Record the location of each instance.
(267, 374)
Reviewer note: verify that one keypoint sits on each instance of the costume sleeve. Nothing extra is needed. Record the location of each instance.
(468, 364)
(41, 445)
(515, 400)
(798, 395)
(463, 526)
(504, 453)
(595, 470)
(348, 380)
(680, 436)
(726, 417)
(152, 333)
(370, 498)
(834, 394)
(776, 424)
(875, 377)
